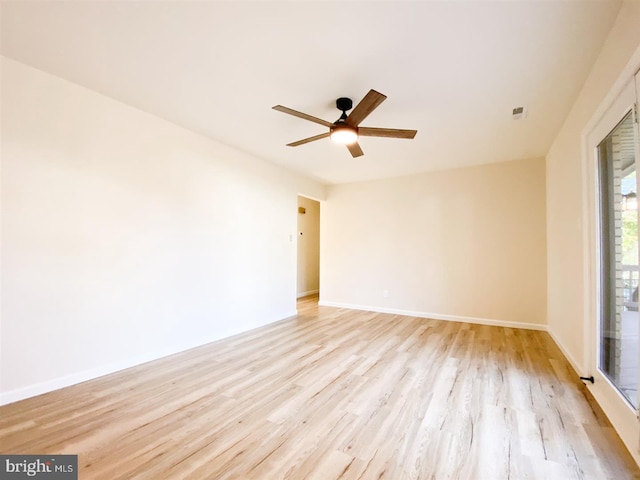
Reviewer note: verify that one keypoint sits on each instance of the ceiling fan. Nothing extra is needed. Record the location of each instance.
(346, 129)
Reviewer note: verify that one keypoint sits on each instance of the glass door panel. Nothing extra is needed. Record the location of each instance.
(619, 320)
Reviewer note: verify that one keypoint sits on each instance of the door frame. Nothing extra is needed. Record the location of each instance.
(623, 417)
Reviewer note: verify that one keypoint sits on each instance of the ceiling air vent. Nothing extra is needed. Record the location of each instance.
(518, 113)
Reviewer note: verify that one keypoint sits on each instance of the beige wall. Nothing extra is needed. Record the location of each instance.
(126, 238)
(308, 247)
(565, 204)
(468, 242)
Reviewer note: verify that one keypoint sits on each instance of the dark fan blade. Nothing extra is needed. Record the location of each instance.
(355, 150)
(386, 132)
(307, 140)
(295, 113)
(367, 105)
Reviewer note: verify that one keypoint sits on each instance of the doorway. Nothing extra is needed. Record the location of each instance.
(308, 275)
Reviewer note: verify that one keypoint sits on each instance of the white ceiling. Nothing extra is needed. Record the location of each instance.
(451, 70)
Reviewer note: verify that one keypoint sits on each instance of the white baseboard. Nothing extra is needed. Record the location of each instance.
(72, 379)
(437, 316)
(304, 294)
(85, 375)
(576, 366)
(455, 318)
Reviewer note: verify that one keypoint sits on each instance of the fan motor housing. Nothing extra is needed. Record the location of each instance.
(344, 104)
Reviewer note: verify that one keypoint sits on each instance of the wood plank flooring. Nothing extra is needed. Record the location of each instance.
(329, 394)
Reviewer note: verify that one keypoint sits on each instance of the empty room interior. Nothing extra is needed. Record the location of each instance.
(320, 240)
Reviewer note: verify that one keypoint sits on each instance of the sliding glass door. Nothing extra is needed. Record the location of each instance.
(618, 267)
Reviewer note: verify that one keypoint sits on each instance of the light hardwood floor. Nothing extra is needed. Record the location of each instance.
(333, 393)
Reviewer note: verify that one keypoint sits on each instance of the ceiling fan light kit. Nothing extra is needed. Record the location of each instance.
(346, 129)
(344, 134)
